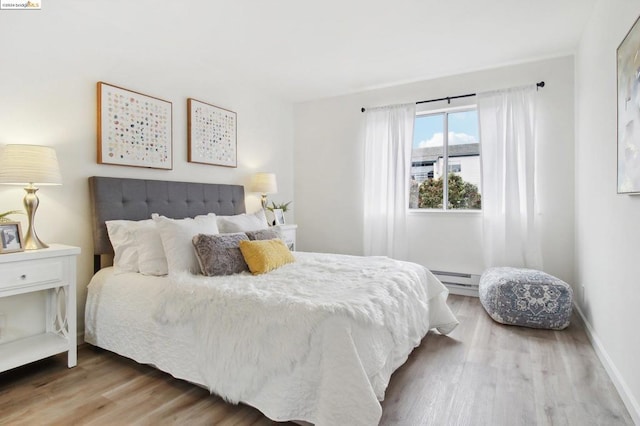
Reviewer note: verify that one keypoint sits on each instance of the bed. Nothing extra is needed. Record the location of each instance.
(313, 341)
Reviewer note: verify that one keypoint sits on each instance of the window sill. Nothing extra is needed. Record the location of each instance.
(438, 211)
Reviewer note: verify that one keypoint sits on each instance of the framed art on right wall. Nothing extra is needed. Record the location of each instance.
(212, 134)
(628, 66)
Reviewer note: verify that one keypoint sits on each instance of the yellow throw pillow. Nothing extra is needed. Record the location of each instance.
(265, 255)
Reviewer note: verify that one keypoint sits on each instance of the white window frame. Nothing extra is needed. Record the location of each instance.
(445, 181)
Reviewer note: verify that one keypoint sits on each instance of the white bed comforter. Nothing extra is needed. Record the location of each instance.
(315, 340)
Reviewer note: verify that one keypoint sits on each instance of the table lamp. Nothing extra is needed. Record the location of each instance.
(30, 165)
(265, 183)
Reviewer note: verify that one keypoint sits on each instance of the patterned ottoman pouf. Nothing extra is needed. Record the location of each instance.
(526, 297)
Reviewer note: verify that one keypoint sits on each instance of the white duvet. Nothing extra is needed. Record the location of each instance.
(315, 340)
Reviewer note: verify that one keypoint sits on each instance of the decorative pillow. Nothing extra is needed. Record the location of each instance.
(220, 254)
(243, 222)
(176, 235)
(265, 255)
(263, 234)
(121, 234)
(151, 257)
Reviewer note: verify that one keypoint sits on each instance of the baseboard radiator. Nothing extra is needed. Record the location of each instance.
(458, 282)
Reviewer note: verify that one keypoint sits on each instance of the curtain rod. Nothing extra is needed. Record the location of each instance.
(448, 98)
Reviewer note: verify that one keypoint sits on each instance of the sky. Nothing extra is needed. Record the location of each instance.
(463, 128)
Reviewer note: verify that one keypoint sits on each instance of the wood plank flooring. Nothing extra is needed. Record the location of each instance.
(483, 373)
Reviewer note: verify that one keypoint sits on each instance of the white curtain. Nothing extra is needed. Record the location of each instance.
(509, 207)
(388, 143)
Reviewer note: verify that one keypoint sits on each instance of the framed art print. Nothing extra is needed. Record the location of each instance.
(628, 65)
(133, 129)
(212, 134)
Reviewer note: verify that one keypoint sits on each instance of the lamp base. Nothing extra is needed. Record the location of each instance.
(31, 240)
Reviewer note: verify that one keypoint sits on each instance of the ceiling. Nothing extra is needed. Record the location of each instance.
(306, 50)
(303, 50)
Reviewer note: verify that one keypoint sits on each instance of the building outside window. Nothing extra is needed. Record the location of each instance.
(446, 140)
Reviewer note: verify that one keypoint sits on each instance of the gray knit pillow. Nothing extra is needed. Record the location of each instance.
(263, 234)
(220, 254)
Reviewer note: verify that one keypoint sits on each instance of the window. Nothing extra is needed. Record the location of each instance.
(454, 168)
(446, 140)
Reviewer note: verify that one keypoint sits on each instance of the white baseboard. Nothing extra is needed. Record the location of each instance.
(618, 381)
(462, 291)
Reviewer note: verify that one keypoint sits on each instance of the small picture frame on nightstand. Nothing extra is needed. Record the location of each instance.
(278, 215)
(11, 237)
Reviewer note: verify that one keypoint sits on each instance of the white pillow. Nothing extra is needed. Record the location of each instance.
(151, 257)
(121, 234)
(176, 235)
(243, 222)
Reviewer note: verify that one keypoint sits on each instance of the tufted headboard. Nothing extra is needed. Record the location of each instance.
(136, 199)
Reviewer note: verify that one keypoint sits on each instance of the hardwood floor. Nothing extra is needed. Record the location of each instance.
(484, 373)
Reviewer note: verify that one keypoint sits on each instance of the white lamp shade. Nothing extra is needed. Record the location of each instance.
(264, 183)
(29, 164)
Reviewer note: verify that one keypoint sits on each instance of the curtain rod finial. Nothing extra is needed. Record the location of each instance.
(541, 84)
(362, 109)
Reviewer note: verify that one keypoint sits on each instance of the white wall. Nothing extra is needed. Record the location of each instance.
(607, 230)
(50, 62)
(329, 170)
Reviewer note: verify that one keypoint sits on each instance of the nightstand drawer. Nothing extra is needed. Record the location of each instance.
(288, 235)
(31, 273)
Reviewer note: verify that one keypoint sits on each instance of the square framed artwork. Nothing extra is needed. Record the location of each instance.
(628, 66)
(212, 134)
(134, 129)
(11, 237)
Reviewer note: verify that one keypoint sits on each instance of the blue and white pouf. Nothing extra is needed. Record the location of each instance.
(526, 297)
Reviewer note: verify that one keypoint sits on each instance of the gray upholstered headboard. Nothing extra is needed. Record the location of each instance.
(136, 199)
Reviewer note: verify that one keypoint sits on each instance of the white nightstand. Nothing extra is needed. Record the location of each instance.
(52, 270)
(288, 233)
